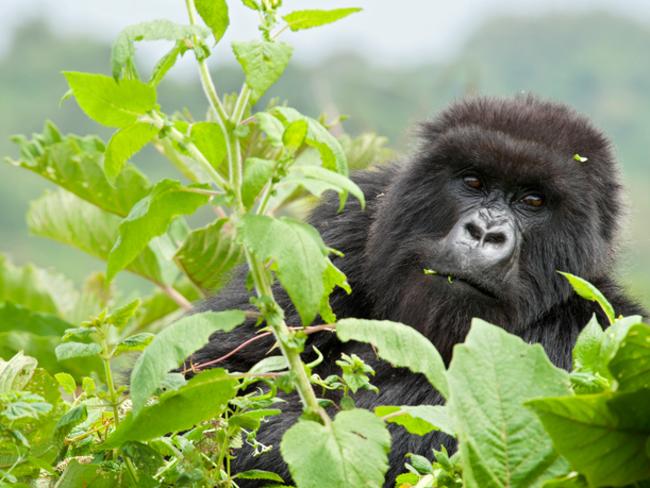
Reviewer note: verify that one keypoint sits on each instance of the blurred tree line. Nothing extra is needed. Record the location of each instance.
(596, 62)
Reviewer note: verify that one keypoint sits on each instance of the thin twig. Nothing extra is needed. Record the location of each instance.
(180, 300)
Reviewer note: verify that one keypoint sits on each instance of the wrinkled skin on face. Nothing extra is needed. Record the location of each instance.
(493, 203)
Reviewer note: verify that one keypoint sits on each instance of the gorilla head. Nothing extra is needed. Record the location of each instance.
(497, 199)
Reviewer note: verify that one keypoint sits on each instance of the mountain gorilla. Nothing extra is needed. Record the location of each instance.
(500, 195)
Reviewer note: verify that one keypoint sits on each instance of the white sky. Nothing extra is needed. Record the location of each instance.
(387, 31)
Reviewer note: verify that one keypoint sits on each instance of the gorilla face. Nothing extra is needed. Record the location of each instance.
(495, 203)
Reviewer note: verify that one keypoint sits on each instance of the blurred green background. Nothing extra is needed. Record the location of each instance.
(597, 62)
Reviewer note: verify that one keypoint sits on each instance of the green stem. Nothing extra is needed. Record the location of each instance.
(194, 151)
(281, 331)
(112, 392)
(210, 90)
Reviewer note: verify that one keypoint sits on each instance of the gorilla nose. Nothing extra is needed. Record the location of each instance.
(491, 240)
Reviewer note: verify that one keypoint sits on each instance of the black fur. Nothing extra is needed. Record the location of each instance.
(519, 142)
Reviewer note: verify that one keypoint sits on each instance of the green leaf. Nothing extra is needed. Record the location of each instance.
(75, 164)
(16, 373)
(172, 346)
(91, 475)
(209, 139)
(123, 315)
(167, 62)
(108, 102)
(263, 63)
(67, 382)
(151, 217)
(272, 127)
(209, 255)
(72, 417)
(351, 451)
(317, 180)
(603, 436)
(259, 474)
(257, 173)
(24, 404)
(418, 419)
(330, 150)
(37, 289)
(124, 144)
(72, 350)
(136, 342)
(294, 135)
(18, 318)
(65, 218)
(201, 398)
(306, 19)
(589, 292)
(631, 364)
(299, 256)
(215, 14)
(123, 52)
(501, 442)
(399, 344)
(586, 352)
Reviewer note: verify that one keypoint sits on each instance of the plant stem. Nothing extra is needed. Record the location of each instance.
(112, 392)
(281, 332)
(174, 294)
(210, 90)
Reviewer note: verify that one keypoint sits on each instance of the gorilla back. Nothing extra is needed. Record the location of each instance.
(494, 202)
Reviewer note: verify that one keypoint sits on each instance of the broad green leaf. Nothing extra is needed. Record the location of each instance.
(75, 164)
(631, 364)
(306, 19)
(23, 404)
(271, 126)
(209, 139)
(257, 173)
(124, 144)
(263, 63)
(65, 218)
(73, 350)
(586, 352)
(251, 4)
(215, 14)
(18, 318)
(317, 180)
(16, 372)
(123, 315)
(615, 335)
(501, 442)
(201, 398)
(209, 254)
(399, 344)
(72, 417)
(67, 382)
(123, 53)
(299, 256)
(351, 451)
(108, 102)
(172, 346)
(151, 217)
(589, 292)
(92, 475)
(417, 419)
(603, 436)
(37, 289)
(294, 135)
(330, 150)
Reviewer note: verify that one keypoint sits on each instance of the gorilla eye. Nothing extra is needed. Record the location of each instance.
(473, 182)
(533, 200)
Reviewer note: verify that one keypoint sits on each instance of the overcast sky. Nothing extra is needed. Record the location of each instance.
(387, 31)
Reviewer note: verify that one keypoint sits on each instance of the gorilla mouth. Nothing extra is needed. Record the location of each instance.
(452, 279)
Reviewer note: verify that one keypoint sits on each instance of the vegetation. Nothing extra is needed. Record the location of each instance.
(67, 418)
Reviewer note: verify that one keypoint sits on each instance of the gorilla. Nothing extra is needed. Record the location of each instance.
(499, 195)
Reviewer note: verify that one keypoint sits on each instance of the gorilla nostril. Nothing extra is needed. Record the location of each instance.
(474, 230)
(495, 238)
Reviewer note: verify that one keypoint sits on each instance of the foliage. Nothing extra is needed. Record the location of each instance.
(67, 418)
